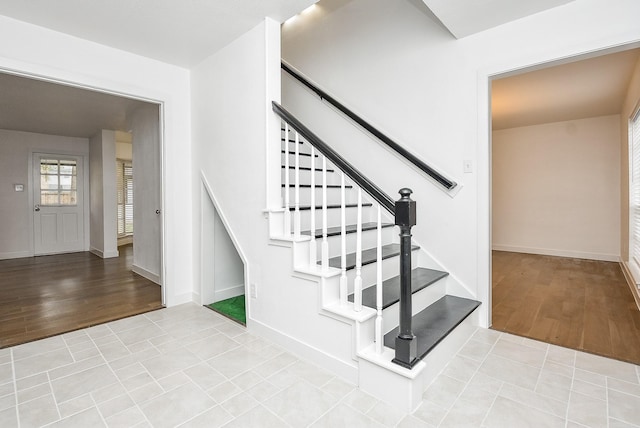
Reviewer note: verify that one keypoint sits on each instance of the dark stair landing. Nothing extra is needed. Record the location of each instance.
(420, 278)
(435, 322)
(368, 256)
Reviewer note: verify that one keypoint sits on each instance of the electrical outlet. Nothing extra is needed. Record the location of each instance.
(253, 291)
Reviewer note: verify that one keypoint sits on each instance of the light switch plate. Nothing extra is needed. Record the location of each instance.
(19, 187)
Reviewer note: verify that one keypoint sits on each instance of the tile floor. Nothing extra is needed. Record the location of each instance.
(187, 366)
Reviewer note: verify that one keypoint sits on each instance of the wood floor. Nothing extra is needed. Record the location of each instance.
(48, 295)
(575, 303)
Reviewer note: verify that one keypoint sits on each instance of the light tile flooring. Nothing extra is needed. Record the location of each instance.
(187, 366)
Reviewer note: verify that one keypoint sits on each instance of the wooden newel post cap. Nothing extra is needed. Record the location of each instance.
(405, 209)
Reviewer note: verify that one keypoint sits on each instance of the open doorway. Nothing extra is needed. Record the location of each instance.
(558, 197)
(61, 147)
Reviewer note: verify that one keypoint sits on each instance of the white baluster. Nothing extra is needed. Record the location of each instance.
(287, 212)
(357, 284)
(378, 332)
(343, 237)
(296, 215)
(313, 258)
(325, 243)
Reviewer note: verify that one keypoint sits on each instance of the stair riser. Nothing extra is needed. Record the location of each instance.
(333, 217)
(305, 177)
(369, 240)
(333, 196)
(390, 268)
(420, 301)
(304, 160)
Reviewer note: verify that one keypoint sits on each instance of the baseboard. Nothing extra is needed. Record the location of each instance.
(227, 293)
(104, 255)
(340, 368)
(150, 276)
(631, 282)
(15, 255)
(558, 253)
(182, 299)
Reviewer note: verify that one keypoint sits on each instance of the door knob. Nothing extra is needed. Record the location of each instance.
(37, 208)
(158, 212)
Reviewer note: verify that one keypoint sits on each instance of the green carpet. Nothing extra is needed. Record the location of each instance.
(232, 308)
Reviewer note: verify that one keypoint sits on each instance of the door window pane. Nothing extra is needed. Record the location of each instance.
(49, 182)
(58, 182)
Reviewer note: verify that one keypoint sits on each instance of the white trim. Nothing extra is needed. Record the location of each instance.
(15, 255)
(96, 84)
(294, 345)
(103, 255)
(228, 293)
(234, 241)
(631, 282)
(146, 274)
(559, 253)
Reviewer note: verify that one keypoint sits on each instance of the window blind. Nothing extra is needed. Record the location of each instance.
(634, 197)
(124, 174)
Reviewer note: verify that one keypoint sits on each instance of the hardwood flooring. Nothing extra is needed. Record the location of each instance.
(575, 303)
(49, 295)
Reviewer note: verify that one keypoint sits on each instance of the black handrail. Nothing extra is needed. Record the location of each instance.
(374, 191)
(442, 180)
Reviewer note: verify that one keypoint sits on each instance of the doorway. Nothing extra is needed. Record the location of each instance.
(63, 170)
(558, 184)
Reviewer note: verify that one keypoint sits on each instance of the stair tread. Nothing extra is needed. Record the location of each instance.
(301, 154)
(306, 168)
(319, 186)
(350, 228)
(368, 256)
(420, 279)
(434, 323)
(332, 206)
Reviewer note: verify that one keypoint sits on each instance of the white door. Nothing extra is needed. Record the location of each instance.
(58, 218)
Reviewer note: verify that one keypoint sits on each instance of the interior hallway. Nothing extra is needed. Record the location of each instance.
(48, 295)
(187, 366)
(576, 303)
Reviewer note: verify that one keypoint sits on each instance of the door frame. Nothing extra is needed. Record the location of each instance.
(162, 160)
(85, 194)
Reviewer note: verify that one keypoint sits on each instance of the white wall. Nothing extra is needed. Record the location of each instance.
(103, 195)
(228, 125)
(16, 239)
(556, 189)
(394, 65)
(236, 157)
(70, 59)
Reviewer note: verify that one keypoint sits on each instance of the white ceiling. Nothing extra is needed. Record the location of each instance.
(36, 106)
(180, 32)
(587, 88)
(465, 17)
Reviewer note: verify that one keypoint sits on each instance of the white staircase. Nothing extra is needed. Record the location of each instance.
(345, 241)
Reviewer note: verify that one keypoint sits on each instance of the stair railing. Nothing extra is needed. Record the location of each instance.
(439, 178)
(403, 210)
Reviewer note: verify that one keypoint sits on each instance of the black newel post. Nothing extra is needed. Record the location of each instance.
(405, 342)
